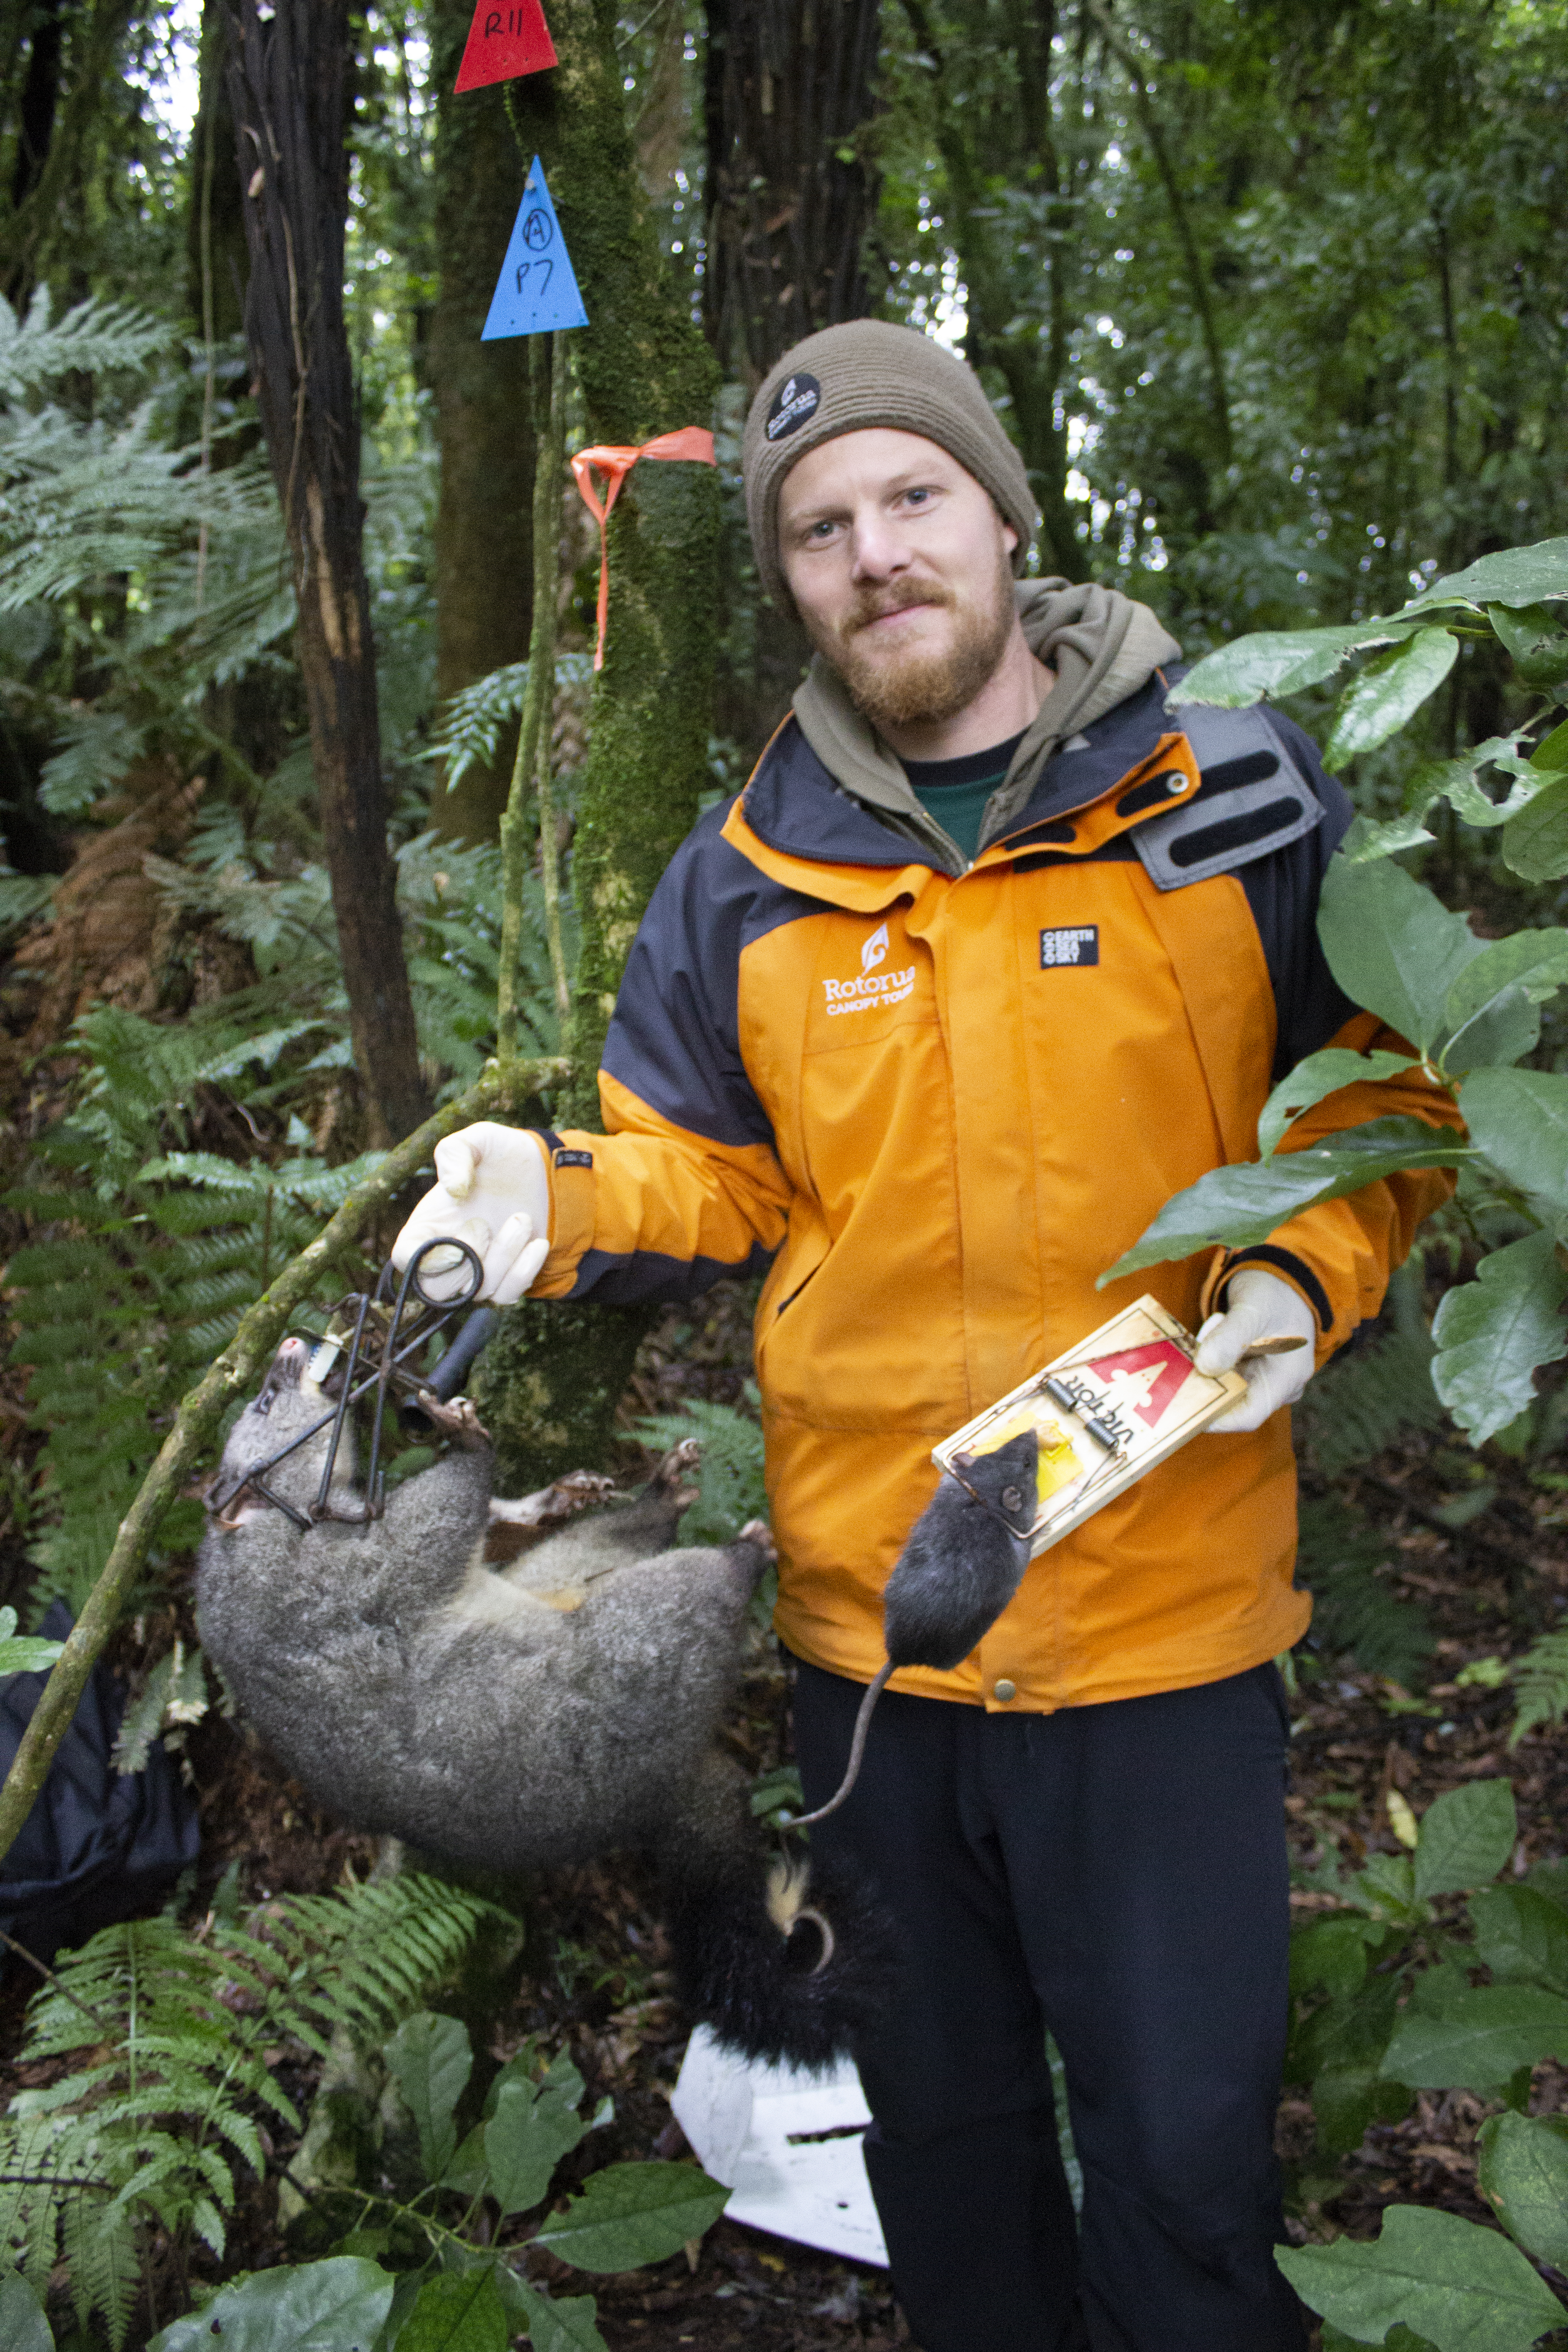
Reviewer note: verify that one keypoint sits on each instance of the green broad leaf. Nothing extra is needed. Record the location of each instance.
(1536, 962)
(1482, 2040)
(563, 2323)
(1535, 842)
(1521, 1937)
(467, 2172)
(1514, 576)
(1398, 2339)
(1519, 1120)
(1524, 2174)
(1462, 2288)
(1493, 1332)
(23, 2328)
(432, 2059)
(24, 1653)
(1457, 783)
(333, 2307)
(1389, 691)
(1247, 1202)
(630, 2215)
(1536, 641)
(1320, 1074)
(1552, 752)
(1466, 1837)
(1366, 841)
(1348, 2099)
(1278, 661)
(1333, 1953)
(561, 2078)
(1386, 1889)
(1393, 946)
(457, 2312)
(1496, 1039)
(525, 2140)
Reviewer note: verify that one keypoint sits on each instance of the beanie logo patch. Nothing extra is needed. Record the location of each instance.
(794, 405)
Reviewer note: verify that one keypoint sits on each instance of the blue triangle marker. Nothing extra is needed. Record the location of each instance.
(537, 288)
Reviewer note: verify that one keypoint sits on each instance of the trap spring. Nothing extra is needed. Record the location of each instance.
(388, 1372)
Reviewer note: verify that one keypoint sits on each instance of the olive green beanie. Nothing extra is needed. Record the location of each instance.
(865, 373)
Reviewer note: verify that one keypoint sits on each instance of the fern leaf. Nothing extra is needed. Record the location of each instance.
(1338, 1561)
(100, 2248)
(1541, 1682)
(91, 336)
(1360, 1406)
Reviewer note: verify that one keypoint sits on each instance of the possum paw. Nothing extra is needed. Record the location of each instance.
(456, 1418)
(758, 1532)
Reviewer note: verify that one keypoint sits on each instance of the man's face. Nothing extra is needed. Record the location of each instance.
(898, 561)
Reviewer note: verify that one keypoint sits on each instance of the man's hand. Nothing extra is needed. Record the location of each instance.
(1260, 1306)
(493, 1194)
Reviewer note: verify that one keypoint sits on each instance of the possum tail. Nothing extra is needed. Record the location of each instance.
(784, 1957)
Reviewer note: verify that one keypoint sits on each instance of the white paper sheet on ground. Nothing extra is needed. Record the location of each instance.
(754, 2127)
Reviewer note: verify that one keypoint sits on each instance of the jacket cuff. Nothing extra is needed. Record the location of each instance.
(1282, 1262)
(569, 1163)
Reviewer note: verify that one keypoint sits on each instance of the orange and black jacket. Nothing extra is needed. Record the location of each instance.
(934, 1107)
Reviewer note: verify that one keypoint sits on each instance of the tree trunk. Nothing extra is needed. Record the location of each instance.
(554, 1376)
(216, 262)
(484, 536)
(643, 369)
(790, 192)
(287, 89)
(62, 89)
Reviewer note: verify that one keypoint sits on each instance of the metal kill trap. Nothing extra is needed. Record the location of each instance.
(401, 1336)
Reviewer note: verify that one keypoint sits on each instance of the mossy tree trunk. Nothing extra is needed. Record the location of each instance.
(484, 535)
(553, 1376)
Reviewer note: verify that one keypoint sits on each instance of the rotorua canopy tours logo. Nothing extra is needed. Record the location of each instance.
(794, 403)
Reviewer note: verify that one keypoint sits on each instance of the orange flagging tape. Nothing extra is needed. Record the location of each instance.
(615, 461)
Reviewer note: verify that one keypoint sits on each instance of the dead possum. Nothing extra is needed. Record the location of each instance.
(557, 1711)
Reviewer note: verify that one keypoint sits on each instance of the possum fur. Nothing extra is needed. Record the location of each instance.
(546, 1714)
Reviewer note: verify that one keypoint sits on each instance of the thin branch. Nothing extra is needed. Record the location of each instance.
(233, 1372)
(50, 1977)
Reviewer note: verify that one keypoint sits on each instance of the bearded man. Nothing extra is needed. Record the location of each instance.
(992, 957)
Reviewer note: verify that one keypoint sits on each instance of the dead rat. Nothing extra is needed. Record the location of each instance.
(963, 1561)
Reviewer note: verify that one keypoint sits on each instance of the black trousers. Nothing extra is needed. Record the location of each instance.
(1116, 1875)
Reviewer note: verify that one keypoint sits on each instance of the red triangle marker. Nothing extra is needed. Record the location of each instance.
(507, 38)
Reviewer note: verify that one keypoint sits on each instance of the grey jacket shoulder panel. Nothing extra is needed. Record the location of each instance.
(1254, 799)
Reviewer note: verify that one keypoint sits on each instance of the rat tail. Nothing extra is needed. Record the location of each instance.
(784, 1958)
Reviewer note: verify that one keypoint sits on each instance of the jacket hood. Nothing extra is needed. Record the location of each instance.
(795, 805)
(1103, 648)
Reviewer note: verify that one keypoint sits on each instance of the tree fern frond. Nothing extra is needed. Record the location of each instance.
(91, 336)
(1338, 1561)
(100, 2249)
(1358, 1406)
(1540, 1683)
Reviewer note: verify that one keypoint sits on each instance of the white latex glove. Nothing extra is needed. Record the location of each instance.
(1260, 1306)
(492, 1192)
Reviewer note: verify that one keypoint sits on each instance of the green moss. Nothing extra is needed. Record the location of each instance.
(551, 1378)
(548, 1384)
(644, 369)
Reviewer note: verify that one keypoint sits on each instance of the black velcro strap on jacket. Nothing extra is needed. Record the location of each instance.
(1253, 799)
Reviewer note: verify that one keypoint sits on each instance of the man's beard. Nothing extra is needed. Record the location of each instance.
(925, 683)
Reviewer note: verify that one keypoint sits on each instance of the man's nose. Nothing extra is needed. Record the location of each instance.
(876, 549)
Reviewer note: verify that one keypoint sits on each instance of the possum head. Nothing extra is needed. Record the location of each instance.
(292, 1399)
(964, 1559)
